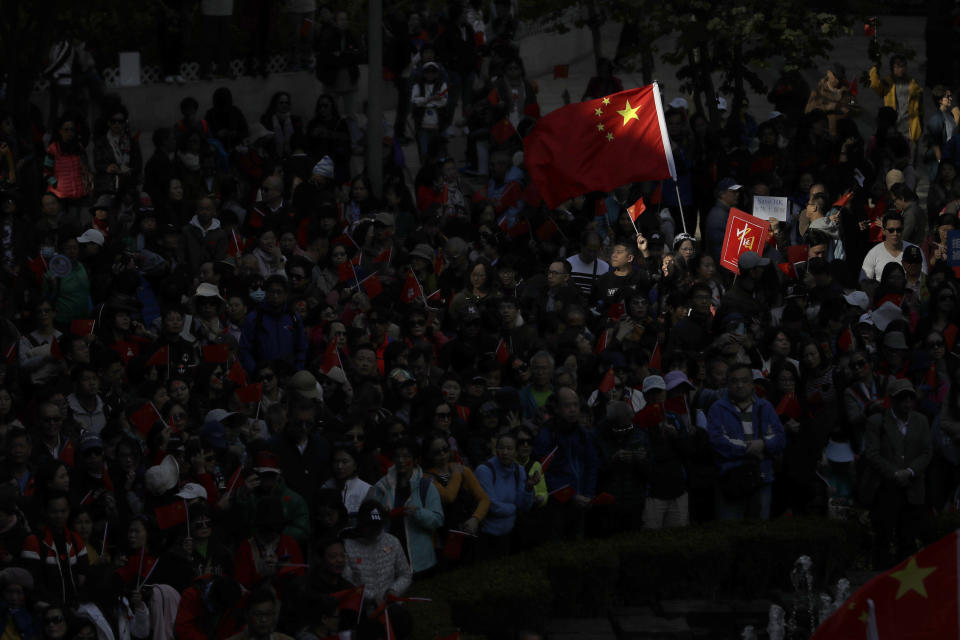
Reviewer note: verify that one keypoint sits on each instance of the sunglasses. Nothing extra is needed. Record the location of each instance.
(894, 229)
(443, 415)
(53, 620)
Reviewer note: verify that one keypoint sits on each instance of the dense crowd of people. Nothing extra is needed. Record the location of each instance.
(237, 384)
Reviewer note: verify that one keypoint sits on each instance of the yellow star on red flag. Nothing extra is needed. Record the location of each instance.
(911, 578)
(629, 113)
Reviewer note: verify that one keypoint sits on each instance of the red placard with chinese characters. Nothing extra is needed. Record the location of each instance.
(744, 233)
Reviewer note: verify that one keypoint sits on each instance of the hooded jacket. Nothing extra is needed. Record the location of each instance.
(419, 527)
(509, 496)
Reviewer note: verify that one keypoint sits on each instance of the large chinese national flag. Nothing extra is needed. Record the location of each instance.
(744, 233)
(599, 145)
(916, 600)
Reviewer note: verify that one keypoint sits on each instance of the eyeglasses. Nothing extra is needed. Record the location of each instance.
(53, 620)
(894, 229)
(551, 272)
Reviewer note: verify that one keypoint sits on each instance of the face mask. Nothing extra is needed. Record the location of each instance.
(258, 295)
(46, 252)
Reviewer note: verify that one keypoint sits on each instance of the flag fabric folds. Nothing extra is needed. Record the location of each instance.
(599, 145)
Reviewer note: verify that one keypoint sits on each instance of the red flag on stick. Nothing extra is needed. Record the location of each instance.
(503, 355)
(547, 459)
(170, 515)
(563, 494)
(844, 200)
(655, 358)
(603, 498)
(599, 145)
(345, 272)
(608, 382)
(250, 393)
(636, 209)
(237, 375)
(144, 418)
(372, 286)
(331, 357)
(216, 353)
(12, 353)
(82, 326)
(160, 357)
(351, 599)
(411, 288)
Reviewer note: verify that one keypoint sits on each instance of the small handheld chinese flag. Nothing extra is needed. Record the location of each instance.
(237, 375)
(789, 406)
(82, 326)
(608, 382)
(351, 599)
(345, 272)
(599, 145)
(160, 357)
(601, 342)
(503, 355)
(918, 598)
(844, 200)
(411, 288)
(331, 357)
(563, 494)
(547, 230)
(547, 459)
(636, 209)
(250, 393)
(372, 286)
(144, 418)
(384, 256)
(55, 351)
(603, 498)
(650, 416)
(216, 353)
(170, 515)
(655, 358)
(502, 131)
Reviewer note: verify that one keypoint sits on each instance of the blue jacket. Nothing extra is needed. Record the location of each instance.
(727, 439)
(267, 335)
(420, 526)
(507, 488)
(576, 463)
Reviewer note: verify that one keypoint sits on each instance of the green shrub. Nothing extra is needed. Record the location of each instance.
(584, 578)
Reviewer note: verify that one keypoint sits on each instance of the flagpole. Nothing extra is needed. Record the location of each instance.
(683, 219)
(186, 511)
(103, 546)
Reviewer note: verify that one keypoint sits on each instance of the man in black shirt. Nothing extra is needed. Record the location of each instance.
(622, 280)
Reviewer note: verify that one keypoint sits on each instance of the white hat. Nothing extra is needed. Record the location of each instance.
(721, 103)
(91, 235)
(839, 452)
(654, 382)
(162, 477)
(866, 318)
(324, 168)
(192, 491)
(679, 103)
(773, 115)
(207, 290)
(857, 299)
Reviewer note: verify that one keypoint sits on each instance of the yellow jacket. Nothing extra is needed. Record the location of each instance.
(885, 89)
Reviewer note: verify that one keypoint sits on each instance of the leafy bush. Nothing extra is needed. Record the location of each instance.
(584, 578)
